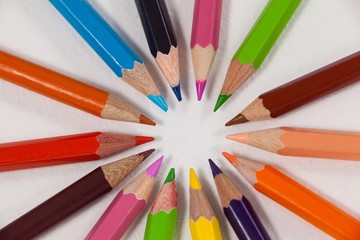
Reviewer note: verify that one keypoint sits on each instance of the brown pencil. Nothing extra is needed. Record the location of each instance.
(67, 90)
(302, 91)
(88, 188)
(64, 149)
(304, 142)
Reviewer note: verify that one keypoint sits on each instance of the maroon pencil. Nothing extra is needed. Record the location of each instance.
(88, 188)
(302, 91)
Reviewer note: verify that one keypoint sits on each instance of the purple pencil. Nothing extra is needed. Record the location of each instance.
(237, 208)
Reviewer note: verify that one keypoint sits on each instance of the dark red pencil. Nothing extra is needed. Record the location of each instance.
(64, 149)
(88, 188)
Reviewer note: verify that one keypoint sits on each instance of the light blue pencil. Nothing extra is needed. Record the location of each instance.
(110, 47)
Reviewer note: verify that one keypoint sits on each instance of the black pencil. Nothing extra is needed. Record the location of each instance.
(161, 39)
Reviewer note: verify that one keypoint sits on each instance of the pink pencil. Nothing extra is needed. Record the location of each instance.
(126, 206)
(205, 39)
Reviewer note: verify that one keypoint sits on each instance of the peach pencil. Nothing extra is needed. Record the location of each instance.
(126, 206)
(304, 142)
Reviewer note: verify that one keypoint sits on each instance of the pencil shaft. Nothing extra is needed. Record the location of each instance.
(244, 220)
(52, 84)
(306, 204)
(312, 86)
(57, 207)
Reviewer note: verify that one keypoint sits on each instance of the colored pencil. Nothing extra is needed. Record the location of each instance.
(302, 91)
(88, 188)
(205, 39)
(122, 60)
(237, 208)
(297, 198)
(67, 90)
(203, 222)
(161, 220)
(256, 46)
(65, 149)
(161, 39)
(126, 206)
(304, 142)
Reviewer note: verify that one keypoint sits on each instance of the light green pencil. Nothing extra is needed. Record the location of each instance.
(162, 217)
(257, 45)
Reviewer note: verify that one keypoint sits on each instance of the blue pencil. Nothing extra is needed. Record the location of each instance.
(110, 47)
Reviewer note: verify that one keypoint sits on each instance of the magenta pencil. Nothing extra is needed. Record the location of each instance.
(126, 206)
(205, 39)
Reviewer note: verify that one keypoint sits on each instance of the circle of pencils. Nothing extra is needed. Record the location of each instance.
(203, 222)
(237, 208)
(302, 91)
(297, 198)
(87, 189)
(304, 142)
(67, 90)
(126, 206)
(65, 149)
(162, 217)
(256, 46)
(161, 40)
(110, 47)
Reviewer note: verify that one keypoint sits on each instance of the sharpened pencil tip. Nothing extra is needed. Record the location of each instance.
(240, 118)
(200, 87)
(159, 101)
(240, 137)
(194, 181)
(177, 91)
(142, 139)
(214, 168)
(221, 100)
(153, 169)
(145, 120)
(170, 176)
(147, 153)
(229, 157)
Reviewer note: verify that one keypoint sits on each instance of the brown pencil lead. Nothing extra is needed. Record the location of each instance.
(237, 120)
(146, 120)
(147, 153)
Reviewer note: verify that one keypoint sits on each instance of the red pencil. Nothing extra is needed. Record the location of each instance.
(64, 149)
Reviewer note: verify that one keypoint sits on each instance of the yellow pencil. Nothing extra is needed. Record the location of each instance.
(203, 222)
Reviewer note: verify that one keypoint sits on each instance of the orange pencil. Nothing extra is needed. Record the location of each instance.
(297, 198)
(67, 90)
(304, 142)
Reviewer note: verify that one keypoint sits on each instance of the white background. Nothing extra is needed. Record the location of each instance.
(321, 32)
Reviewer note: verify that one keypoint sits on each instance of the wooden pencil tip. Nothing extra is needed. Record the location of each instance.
(146, 154)
(147, 121)
(240, 137)
(229, 157)
(240, 118)
(143, 139)
(194, 181)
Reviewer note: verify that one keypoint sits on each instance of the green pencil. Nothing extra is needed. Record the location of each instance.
(256, 46)
(162, 217)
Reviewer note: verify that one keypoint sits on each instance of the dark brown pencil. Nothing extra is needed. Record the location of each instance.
(90, 187)
(302, 91)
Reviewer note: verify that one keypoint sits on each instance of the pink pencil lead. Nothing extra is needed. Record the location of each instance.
(153, 169)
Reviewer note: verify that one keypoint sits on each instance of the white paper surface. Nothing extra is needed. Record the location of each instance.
(321, 32)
